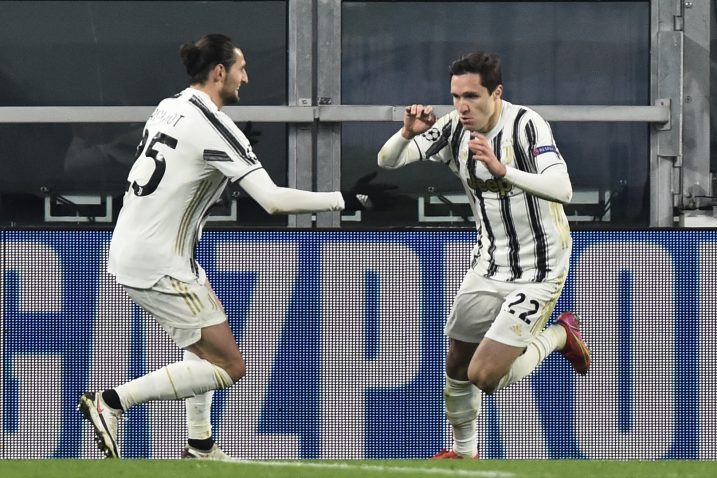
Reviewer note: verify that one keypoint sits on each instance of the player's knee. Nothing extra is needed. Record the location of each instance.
(234, 367)
(483, 378)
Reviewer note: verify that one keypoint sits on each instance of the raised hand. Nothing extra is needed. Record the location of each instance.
(417, 119)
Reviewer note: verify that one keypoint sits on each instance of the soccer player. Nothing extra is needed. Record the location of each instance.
(516, 182)
(189, 151)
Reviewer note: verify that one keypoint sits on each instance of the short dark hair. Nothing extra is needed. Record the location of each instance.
(209, 51)
(487, 65)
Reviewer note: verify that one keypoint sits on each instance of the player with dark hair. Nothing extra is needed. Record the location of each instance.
(516, 182)
(190, 149)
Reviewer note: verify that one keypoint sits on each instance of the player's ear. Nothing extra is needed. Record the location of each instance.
(218, 71)
(498, 92)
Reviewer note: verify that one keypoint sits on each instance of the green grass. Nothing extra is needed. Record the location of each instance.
(357, 468)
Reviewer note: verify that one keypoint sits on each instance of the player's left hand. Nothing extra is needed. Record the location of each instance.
(483, 152)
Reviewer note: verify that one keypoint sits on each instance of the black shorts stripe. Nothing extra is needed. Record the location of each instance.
(223, 130)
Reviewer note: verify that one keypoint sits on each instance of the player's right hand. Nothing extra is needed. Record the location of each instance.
(417, 119)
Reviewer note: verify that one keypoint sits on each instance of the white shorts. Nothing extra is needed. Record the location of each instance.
(511, 313)
(181, 308)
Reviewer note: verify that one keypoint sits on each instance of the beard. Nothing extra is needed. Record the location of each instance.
(230, 97)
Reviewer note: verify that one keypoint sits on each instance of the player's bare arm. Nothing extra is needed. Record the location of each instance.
(483, 152)
(417, 119)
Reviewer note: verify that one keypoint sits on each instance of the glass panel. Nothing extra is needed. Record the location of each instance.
(713, 100)
(572, 53)
(37, 160)
(120, 54)
(127, 53)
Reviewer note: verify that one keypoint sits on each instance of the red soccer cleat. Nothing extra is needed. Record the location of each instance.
(444, 454)
(576, 350)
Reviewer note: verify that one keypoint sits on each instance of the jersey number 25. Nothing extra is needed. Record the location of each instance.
(159, 163)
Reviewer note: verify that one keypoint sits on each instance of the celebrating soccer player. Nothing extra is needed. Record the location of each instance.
(189, 151)
(516, 182)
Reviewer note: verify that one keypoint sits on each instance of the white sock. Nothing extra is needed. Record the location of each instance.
(175, 381)
(549, 340)
(199, 410)
(463, 403)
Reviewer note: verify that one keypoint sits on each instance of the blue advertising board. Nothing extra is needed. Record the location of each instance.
(343, 337)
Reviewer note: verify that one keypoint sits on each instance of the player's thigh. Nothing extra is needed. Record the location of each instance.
(524, 312)
(475, 306)
(182, 309)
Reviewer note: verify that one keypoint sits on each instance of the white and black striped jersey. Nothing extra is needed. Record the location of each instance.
(521, 236)
(188, 151)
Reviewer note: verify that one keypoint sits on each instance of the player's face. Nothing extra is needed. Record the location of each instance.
(478, 109)
(236, 76)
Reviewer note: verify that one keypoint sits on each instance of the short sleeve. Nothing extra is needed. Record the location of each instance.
(229, 150)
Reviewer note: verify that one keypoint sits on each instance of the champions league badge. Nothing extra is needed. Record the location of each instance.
(537, 151)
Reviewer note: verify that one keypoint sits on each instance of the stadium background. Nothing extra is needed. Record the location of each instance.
(342, 328)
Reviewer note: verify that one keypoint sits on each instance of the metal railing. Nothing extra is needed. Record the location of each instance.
(308, 114)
